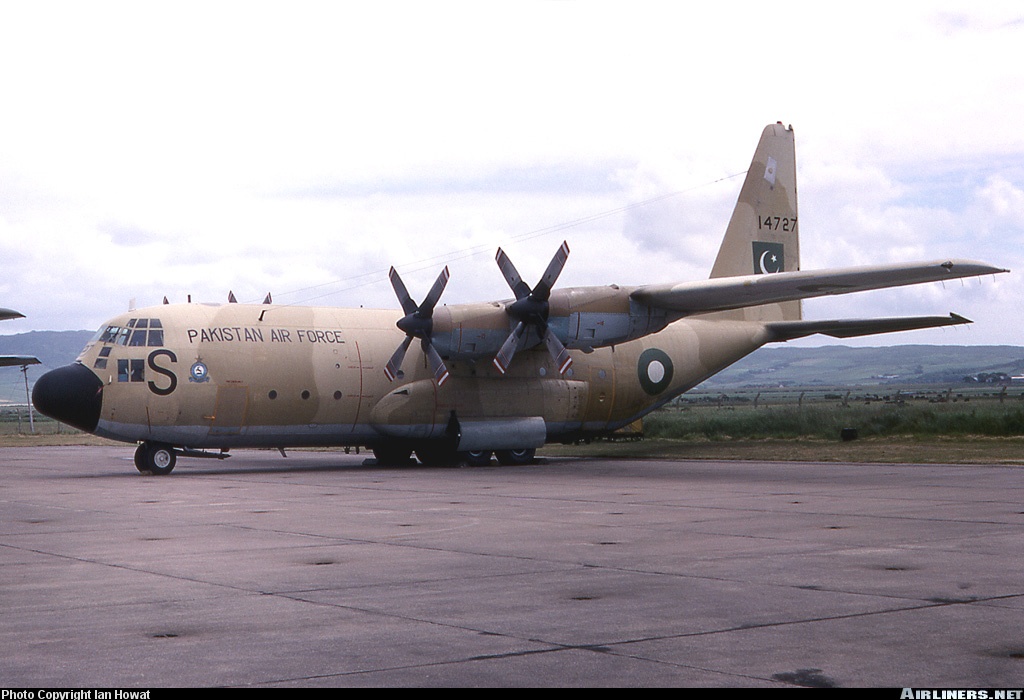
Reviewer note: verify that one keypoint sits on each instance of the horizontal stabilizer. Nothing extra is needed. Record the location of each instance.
(789, 330)
(725, 293)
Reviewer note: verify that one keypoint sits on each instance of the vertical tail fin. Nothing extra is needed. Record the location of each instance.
(762, 234)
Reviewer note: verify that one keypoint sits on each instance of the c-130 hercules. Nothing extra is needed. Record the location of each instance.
(488, 378)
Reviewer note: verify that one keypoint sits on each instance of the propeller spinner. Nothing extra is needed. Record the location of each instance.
(531, 309)
(418, 322)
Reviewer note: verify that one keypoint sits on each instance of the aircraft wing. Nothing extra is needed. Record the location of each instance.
(788, 330)
(18, 360)
(722, 293)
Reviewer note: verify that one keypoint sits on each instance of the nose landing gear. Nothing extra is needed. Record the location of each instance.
(155, 458)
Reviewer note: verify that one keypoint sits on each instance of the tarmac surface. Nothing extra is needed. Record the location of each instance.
(318, 570)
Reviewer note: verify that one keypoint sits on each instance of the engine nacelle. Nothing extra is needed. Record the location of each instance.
(583, 318)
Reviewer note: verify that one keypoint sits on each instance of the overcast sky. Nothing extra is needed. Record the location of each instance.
(153, 150)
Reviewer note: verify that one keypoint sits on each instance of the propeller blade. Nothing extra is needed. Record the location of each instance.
(543, 289)
(508, 349)
(530, 309)
(426, 309)
(557, 350)
(394, 365)
(515, 281)
(417, 323)
(437, 365)
(408, 305)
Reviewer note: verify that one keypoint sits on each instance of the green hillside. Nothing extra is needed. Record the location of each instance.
(846, 366)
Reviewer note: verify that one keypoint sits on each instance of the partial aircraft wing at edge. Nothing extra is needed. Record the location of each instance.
(725, 293)
(18, 360)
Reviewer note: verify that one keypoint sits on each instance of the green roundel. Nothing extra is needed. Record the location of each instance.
(654, 371)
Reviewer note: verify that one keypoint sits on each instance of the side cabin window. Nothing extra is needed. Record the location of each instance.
(131, 370)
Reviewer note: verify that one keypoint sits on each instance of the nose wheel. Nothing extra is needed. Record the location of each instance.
(155, 458)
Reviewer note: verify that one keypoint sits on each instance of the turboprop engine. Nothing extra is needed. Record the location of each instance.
(581, 318)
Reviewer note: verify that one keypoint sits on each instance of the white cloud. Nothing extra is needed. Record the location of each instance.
(153, 150)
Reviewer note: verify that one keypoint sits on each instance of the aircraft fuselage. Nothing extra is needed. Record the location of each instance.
(230, 375)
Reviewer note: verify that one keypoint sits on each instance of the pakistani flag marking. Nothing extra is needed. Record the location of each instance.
(768, 258)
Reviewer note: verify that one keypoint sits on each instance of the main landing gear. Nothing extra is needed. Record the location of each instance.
(155, 458)
(434, 455)
(514, 457)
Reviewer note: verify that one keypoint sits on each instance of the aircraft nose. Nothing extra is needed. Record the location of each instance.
(71, 394)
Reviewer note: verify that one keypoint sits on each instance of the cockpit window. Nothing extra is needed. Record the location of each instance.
(108, 334)
(101, 359)
(138, 332)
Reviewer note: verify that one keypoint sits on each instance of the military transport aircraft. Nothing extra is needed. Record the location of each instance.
(500, 377)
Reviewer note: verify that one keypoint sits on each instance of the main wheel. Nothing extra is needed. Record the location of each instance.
(514, 457)
(140, 458)
(477, 458)
(436, 455)
(392, 455)
(157, 458)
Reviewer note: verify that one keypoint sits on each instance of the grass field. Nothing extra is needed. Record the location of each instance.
(825, 413)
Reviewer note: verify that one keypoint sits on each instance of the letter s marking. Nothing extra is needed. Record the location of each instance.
(164, 371)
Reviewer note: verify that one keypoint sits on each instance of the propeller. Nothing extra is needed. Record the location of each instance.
(531, 309)
(418, 322)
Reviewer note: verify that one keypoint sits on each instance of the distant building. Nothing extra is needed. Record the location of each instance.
(990, 378)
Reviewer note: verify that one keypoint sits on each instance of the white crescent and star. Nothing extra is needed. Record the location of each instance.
(761, 263)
